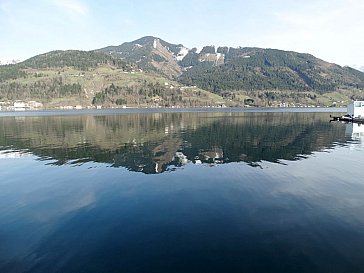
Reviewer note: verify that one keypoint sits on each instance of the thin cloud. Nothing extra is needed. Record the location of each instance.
(328, 30)
(71, 7)
(5, 7)
(317, 17)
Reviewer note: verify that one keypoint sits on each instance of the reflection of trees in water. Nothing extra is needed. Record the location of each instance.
(152, 142)
(265, 136)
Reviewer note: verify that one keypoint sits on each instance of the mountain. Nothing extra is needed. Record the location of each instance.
(232, 69)
(89, 78)
(150, 53)
(56, 75)
(151, 72)
(83, 60)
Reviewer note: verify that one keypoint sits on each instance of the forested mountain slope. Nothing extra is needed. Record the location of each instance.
(152, 72)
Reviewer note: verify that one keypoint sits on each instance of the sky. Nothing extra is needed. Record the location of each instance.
(331, 30)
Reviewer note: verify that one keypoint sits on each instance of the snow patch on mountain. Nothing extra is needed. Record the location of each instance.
(155, 43)
(5, 62)
(219, 55)
(182, 53)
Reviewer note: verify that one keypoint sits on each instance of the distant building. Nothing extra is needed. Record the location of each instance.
(20, 105)
(356, 109)
(34, 104)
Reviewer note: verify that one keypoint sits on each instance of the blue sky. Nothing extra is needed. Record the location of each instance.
(329, 29)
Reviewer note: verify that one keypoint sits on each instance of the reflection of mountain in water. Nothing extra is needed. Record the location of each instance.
(153, 142)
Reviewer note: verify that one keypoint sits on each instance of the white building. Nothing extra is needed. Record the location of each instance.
(356, 109)
(20, 105)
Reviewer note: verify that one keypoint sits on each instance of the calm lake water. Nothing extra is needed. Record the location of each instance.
(186, 191)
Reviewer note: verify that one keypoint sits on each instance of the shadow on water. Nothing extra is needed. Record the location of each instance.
(156, 142)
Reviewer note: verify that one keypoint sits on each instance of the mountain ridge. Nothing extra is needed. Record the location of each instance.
(305, 71)
(152, 72)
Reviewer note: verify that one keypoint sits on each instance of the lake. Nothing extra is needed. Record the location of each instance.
(181, 191)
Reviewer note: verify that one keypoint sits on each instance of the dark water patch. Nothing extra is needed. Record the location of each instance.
(230, 192)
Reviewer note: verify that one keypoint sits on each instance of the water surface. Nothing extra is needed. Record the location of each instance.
(190, 191)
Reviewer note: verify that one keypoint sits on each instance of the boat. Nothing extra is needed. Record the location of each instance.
(355, 113)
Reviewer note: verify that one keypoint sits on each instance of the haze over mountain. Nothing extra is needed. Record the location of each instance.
(152, 72)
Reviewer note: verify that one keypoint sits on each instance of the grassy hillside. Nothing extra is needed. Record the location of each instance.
(69, 78)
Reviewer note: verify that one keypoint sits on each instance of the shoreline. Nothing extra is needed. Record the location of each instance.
(117, 111)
